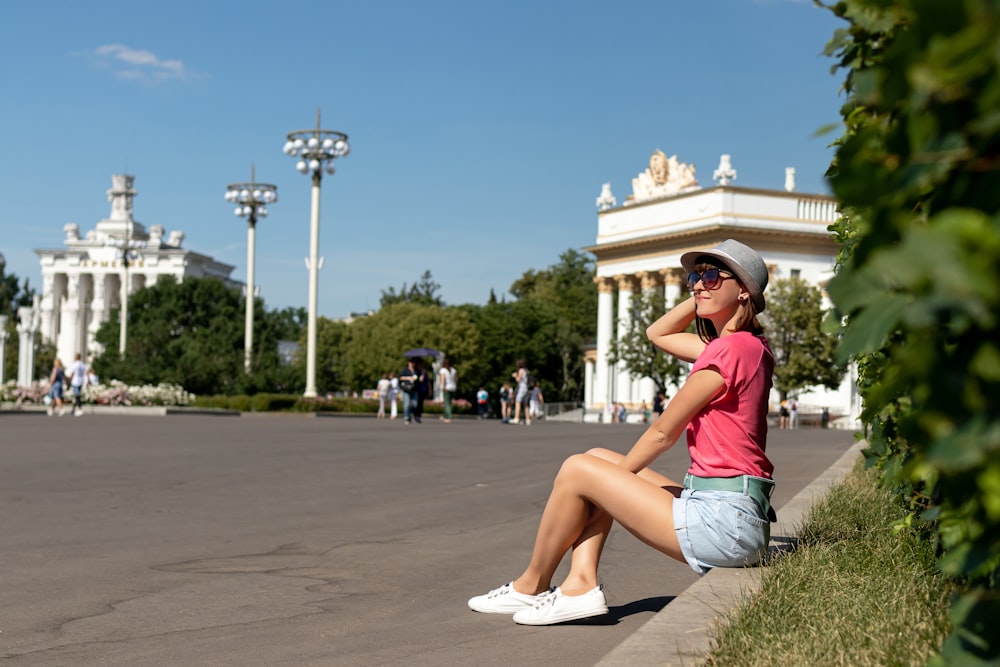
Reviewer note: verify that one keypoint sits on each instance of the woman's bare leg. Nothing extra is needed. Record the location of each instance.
(587, 550)
(587, 493)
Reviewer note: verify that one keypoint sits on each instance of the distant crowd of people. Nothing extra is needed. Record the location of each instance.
(788, 413)
(524, 398)
(521, 399)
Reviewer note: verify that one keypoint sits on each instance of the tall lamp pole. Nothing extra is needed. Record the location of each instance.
(120, 195)
(251, 201)
(316, 150)
(127, 245)
(123, 313)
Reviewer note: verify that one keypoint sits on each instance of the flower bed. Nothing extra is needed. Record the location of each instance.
(113, 393)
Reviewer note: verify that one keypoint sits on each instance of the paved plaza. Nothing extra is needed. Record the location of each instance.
(299, 540)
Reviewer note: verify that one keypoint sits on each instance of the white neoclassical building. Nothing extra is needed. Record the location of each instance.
(639, 245)
(83, 281)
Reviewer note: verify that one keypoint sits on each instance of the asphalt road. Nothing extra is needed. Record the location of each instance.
(292, 540)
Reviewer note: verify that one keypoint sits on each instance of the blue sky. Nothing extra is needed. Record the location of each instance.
(481, 132)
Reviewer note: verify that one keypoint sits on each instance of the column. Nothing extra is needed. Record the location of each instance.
(98, 312)
(627, 285)
(605, 319)
(49, 327)
(26, 328)
(675, 281)
(70, 337)
(589, 366)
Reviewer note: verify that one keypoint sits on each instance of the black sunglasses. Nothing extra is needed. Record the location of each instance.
(710, 278)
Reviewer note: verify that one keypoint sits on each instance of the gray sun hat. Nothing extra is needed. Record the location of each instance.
(741, 260)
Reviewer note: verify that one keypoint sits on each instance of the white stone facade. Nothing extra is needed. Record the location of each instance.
(640, 243)
(82, 282)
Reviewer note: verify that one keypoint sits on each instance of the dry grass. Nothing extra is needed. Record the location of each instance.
(855, 592)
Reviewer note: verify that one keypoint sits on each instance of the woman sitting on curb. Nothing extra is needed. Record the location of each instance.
(719, 516)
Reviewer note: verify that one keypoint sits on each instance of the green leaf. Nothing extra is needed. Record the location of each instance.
(869, 328)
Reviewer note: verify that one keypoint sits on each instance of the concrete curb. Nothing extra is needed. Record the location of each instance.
(681, 634)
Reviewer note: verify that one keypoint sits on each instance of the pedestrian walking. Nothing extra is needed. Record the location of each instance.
(57, 381)
(448, 377)
(393, 396)
(382, 389)
(413, 383)
(78, 376)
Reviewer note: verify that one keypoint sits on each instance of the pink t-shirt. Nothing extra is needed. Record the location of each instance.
(728, 437)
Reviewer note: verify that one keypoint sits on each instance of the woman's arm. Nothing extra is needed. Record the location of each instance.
(697, 392)
(667, 333)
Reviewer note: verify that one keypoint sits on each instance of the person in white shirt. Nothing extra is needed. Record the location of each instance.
(383, 394)
(448, 377)
(78, 373)
(393, 395)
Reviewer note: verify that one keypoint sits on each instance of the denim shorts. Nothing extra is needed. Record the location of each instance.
(720, 529)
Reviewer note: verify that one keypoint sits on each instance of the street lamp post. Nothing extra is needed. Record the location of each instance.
(251, 201)
(123, 312)
(126, 245)
(316, 150)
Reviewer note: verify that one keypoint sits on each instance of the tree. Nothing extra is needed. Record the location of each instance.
(804, 355)
(332, 337)
(12, 294)
(375, 344)
(523, 329)
(640, 357)
(568, 288)
(289, 323)
(269, 371)
(423, 292)
(190, 334)
(16, 294)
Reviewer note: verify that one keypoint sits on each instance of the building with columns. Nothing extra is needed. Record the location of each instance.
(639, 245)
(83, 281)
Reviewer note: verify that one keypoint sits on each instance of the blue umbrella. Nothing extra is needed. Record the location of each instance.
(422, 352)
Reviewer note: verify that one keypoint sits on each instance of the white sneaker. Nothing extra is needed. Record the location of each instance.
(78, 413)
(559, 608)
(49, 411)
(505, 600)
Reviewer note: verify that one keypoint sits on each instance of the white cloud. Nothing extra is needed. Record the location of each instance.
(137, 64)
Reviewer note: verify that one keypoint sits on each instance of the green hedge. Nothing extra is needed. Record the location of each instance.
(917, 173)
